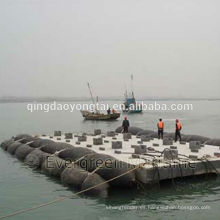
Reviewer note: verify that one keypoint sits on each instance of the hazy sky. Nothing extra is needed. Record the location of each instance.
(53, 47)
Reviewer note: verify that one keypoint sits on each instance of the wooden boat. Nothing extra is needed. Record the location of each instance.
(99, 116)
(96, 115)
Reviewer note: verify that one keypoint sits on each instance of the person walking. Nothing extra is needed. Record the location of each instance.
(178, 129)
(160, 126)
(125, 125)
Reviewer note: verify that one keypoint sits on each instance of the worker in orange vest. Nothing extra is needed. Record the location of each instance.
(178, 129)
(160, 127)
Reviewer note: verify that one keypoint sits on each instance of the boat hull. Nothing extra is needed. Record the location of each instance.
(99, 117)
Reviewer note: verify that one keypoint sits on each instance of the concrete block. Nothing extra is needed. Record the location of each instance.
(77, 142)
(97, 131)
(127, 135)
(134, 146)
(117, 152)
(126, 139)
(140, 142)
(195, 150)
(57, 133)
(43, 135)
(170, 154)
(82, 138)
(167, 141)
(102, 136)
(155, 145)
(135, 156)
(59, 139)
(116, 145)
(89, 145)
(68, 135)
(182, 142)
(150, 149)
(138, 136)
(140, 149)
(114, 138)
(76, 135)
(110, 133)
(193, 157)
(106, 141)
(97, 141)
(173, 147)
(144, 138)
(67, 141)
(194, 144)
(101, 148)
(51, 137)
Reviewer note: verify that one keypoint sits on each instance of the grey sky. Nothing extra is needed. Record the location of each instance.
(53, 47)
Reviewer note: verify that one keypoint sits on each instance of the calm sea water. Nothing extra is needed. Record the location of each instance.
(21, 187)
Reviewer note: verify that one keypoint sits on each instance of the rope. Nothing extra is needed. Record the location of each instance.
(76, 161)
(155, 166)
(67, 197)
(97, 168)
(210, 163)
(20, 140)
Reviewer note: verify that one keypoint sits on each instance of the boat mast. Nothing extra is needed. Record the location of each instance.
(132, 88)
(90, 91)
(126, 93)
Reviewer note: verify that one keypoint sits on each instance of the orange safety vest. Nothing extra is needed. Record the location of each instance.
(178, 126)
(160, 125)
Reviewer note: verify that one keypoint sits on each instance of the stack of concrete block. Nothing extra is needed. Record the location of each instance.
(97, 141)
(195, 146)
(126, 136)
(68, 135)
(170, 154)
(140, 149)
(167, 141)
(82, 138)
(116, 145)
(57, 133)
(97, 131)
(110, 133)
(145, 138)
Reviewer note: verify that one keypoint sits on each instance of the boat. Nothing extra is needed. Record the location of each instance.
(130, 104)
(96, 115)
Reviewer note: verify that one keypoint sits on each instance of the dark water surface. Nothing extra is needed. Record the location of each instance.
(21, 187)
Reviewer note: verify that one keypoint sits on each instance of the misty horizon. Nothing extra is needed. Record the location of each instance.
(53, 48)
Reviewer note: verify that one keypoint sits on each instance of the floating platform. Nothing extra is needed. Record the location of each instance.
(94, 162)
(162, 159)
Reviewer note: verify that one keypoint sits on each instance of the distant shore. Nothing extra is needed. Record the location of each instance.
(14, 99)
